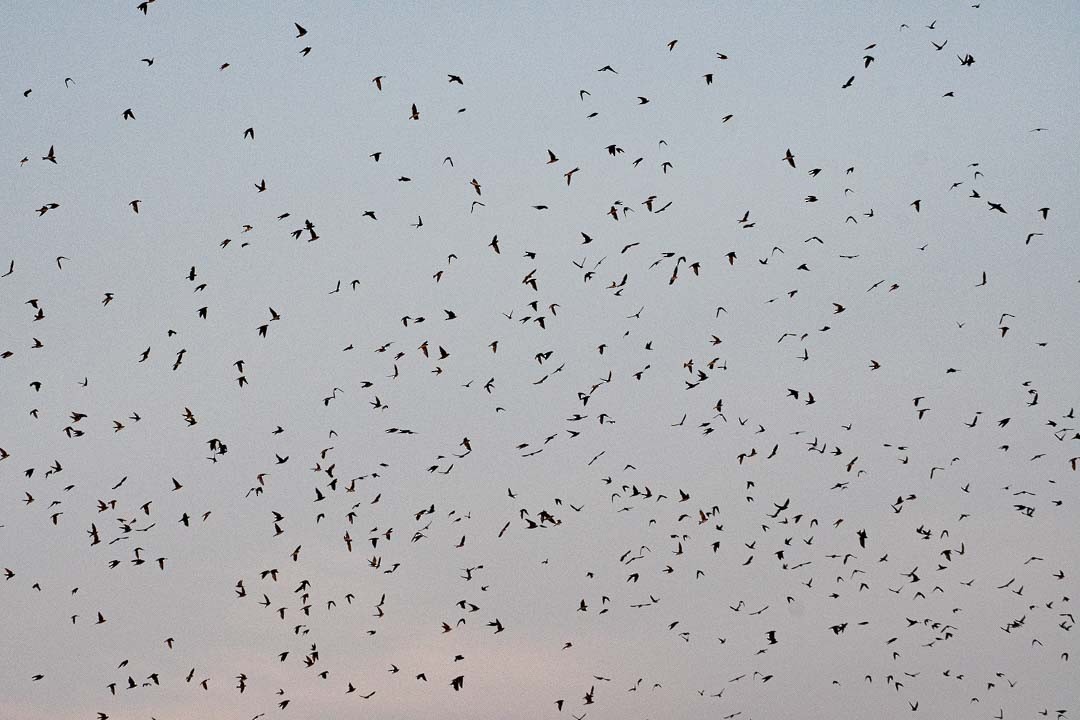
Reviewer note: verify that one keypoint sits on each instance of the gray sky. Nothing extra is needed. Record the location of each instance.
(783, 486)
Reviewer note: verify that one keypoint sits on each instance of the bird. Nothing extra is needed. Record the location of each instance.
(652, 457)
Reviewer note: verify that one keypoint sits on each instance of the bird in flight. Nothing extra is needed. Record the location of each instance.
(791, 421)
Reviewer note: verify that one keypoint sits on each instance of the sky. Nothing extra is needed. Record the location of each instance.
(776, 438)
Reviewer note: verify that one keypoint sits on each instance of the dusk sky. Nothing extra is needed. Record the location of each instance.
(560, 360)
